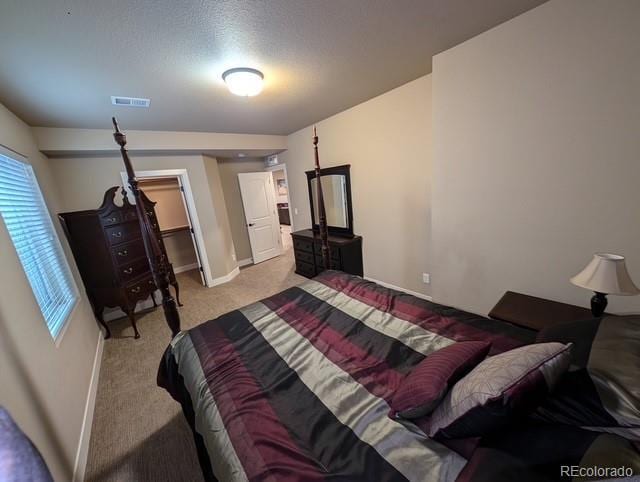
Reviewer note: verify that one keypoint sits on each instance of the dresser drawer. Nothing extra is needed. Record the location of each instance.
(151, 215)
(334, 253)
(305, 269)
(133, 270)
(128, 252)
(303, 256)
(114, 217)
(140, 289)
(130, 215)
(335, 264)
(121, 233)
(302, 245)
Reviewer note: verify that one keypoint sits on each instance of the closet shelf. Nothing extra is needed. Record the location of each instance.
(166, 232)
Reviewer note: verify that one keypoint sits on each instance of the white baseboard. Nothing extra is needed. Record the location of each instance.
(394, 287)
(82, 453)
(245, 262)
(226, 278)
(186, 267)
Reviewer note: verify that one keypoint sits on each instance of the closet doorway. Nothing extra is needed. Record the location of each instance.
(178, 223)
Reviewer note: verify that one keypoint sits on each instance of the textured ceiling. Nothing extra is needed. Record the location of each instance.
(61, 60)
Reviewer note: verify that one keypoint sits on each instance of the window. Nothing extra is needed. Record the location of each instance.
(34, 237)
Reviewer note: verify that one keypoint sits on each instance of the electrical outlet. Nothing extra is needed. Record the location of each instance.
(426, 278)
(295, 211)
(233, 256)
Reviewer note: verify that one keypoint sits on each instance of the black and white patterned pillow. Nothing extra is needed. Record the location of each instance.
(500, 388)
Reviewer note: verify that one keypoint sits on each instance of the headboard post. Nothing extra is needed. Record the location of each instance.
(157, 260)
(322, 215)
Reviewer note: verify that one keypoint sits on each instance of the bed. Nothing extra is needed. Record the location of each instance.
(296, 387)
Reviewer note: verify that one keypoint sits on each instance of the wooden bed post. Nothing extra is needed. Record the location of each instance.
(157, 260)
(322, 215)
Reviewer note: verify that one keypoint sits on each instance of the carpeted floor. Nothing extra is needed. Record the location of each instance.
(139, 433)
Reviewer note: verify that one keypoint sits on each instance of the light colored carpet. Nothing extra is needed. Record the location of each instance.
(139, 433)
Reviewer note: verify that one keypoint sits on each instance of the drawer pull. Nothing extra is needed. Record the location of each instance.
(128, 270)
(112, 220)
(117, 235)
(135, 290)
(124, 252)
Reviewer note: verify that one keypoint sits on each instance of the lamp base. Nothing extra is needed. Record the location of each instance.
(598, 304)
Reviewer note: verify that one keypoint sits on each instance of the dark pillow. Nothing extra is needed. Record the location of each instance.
(601, 391)
(426, 385)
(543, 453)
(503, 386)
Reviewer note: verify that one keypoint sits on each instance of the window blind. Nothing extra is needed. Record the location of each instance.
(29, 225)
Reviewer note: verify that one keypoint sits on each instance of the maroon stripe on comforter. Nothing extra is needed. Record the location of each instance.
(370, 371)
(420, 312)
(261, 441)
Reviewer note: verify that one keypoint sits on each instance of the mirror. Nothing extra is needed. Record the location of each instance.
(336, 190)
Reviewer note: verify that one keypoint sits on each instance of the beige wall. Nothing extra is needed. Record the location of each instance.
(229, 169)
(44, 387)
(387, 141)
(223, 239)
(86, 178)
(537, 154)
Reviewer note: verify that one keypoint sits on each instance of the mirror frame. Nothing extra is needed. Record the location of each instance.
(344, 170)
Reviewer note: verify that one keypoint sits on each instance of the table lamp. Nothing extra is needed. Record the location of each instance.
(606, 274)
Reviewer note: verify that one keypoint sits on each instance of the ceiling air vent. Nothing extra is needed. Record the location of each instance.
(130, 101)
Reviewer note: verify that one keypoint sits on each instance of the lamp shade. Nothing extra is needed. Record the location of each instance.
(606, 273)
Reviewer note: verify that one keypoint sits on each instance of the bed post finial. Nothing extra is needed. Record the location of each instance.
(322, 215)
(157, 260)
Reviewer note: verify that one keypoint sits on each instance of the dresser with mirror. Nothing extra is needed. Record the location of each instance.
(345, 247)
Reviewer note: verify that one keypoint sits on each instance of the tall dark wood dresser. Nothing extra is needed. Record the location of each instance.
(108, 248)
(346, 253)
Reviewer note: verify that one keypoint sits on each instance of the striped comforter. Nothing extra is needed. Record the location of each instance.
(296, 387)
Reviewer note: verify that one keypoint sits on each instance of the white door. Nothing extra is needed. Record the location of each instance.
(193, 233)
(261, 215)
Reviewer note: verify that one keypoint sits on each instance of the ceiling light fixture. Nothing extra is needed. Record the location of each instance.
(244, 81)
